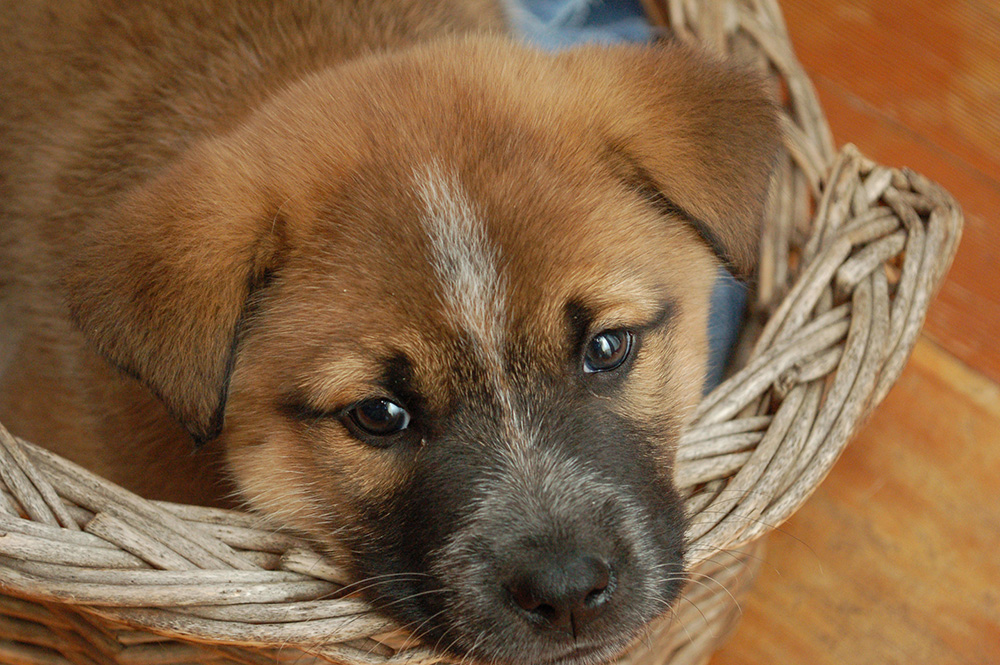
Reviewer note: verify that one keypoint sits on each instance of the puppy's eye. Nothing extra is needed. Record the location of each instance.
(379, 417)
(607, 350)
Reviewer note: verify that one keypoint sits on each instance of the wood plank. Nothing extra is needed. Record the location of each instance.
(932, 66)
(894, 559)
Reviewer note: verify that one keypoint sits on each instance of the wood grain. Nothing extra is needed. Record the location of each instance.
(930, 65)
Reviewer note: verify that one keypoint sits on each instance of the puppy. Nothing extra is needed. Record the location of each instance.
(434, 298)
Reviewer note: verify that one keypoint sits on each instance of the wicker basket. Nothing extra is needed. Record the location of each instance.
(852, 253)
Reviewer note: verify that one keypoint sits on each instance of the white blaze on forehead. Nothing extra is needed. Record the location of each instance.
(473, 290)
(471, 286)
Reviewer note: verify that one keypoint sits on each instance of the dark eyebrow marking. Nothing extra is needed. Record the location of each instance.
(398, 378)
(664, 317)
(297, 406)
(579, 318)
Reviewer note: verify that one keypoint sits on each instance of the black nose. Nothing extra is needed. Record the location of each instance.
(564, 593)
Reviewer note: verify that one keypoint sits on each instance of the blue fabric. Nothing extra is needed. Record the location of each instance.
(558, 23)
(554, 24)
(725, 316)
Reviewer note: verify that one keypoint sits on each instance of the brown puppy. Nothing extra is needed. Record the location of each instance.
(437, 300)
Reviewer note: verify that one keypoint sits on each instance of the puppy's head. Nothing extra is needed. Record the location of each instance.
(447, 309)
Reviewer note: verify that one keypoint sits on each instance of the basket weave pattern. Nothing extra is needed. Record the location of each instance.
(851, 254)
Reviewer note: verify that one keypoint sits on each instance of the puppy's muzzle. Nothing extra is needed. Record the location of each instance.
(556, 563)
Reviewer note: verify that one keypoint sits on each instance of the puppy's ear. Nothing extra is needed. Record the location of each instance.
(160, 285)
(698, 135)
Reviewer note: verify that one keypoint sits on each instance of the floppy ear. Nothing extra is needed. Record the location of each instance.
(698, 135)
(161, 283)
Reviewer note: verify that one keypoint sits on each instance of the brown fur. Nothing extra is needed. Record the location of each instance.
(209, 228)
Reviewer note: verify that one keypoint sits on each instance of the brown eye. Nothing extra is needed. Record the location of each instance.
(379, 417)
(607, 350)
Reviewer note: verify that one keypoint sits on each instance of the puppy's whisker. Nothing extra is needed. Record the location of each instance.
(747, 518)
(720, 585)
(340, 593)
(415, 634)
(695, 606)
(676, 618)
(442, 636)
(397, 601)
(472, 650)
(770, 526)
(737, 555)
(277, 213)
(385, 578)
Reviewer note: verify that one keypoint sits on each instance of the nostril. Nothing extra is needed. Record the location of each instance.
(600, 575)
(523, 594)
(595, 597)
(545, 612)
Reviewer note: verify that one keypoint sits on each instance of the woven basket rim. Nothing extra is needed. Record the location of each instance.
(853, 255)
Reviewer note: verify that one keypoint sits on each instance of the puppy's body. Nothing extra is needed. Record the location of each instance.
(435, 299)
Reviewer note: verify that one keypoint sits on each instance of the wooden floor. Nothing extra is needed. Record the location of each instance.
(896, 558)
